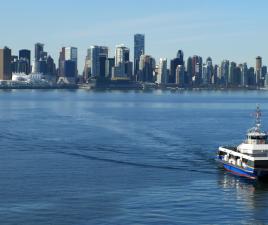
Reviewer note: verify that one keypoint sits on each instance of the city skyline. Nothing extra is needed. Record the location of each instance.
(198, 29)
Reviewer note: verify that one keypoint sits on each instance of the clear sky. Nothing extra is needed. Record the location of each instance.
(222, 29)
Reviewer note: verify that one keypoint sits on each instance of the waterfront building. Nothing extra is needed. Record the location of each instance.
(266, 82)
(263, 71)
(70, 68)
(162, 72)
(129, 69)
(244, 75)
(39, 51)
(123, 66)
(71, 53)
(25, 54)
(174, 63)
(95, 53)
(22, 77)
(180, 75)
(219, 74)
(14, 63)
(40, 59)
(237, 75)
(139, 49)
(232, 69)
(23, 66)
(197, 63)
(121, 54)
(207, 74)
(251, 77)
(263, 75)
(42, 66)
(103, 66)
(110, 65)
(147, 66)
(157, 78)
(87, 66)
(51, 67)
(61, 62)
(258, 70)
(189, 71)
(180, 56)
(215, 78)
(25, 57)
(5, 64)
(67, 54)
(224, 72)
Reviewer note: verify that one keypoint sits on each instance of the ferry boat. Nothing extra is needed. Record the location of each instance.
(250, 158)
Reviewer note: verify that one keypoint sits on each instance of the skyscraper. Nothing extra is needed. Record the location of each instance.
(180, 75)
(139, 49)
(232, 70)
(197, 63)
(67, 54)
(51, 66)
(25, 54)
(224, 72)
(103, 61)
(95, 53)
(123, 67)
(258, 70)
(147, 66)
(251, 76)
(39, 50)
(174, 63)
(14, 64)
(40, 59)
(264, 71)
(61, 63)
(121, 54)
(71, 54)
(207, 75)
(87, 67)
(162, 76)
(5, 64)
(180, 55)
(189, 71)
(25, 58)
(216, 73)
(69, 68)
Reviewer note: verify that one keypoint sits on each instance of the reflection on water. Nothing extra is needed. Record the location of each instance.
(252, 194)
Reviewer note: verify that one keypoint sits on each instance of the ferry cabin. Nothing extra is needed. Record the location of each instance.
(252, 155)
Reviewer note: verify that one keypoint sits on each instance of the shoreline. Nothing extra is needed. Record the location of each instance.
(130, 88)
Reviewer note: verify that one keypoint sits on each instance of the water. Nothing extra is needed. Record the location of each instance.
(78, 157)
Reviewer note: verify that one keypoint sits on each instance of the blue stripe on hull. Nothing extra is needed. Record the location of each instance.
(239, 172)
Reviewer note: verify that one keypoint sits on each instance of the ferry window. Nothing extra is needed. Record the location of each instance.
(257, 137)
(250, 163)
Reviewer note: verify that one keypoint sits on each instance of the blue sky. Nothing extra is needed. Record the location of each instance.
(227, 29)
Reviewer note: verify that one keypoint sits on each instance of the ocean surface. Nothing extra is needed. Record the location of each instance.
(82, 157)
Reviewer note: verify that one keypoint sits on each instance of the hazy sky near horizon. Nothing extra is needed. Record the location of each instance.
(227, 29)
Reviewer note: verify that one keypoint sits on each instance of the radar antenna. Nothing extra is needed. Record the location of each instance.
(258, 117)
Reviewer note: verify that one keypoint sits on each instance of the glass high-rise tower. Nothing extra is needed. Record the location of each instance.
(139, 49)
(39, 49)
(5, 64)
